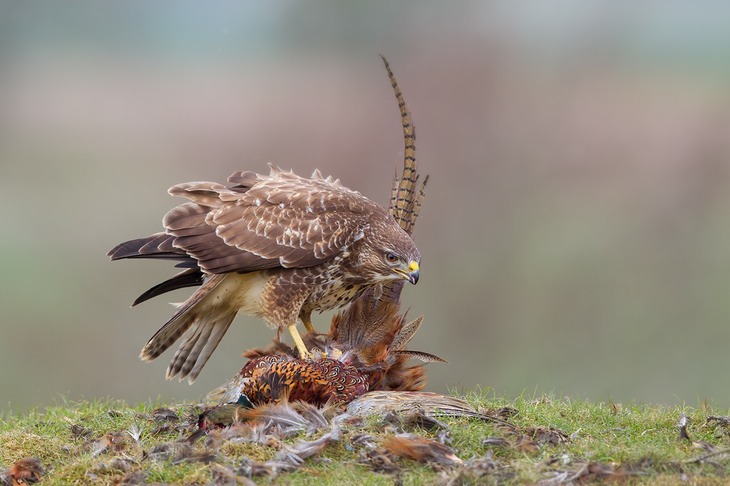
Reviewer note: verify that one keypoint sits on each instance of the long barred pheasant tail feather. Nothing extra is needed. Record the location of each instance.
(371, 328)
(406, 196)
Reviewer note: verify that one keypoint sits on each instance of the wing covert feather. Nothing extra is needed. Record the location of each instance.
(266, 222)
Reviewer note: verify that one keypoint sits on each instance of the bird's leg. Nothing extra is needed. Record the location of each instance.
(307, 321)
(303, 353)
(306, 318)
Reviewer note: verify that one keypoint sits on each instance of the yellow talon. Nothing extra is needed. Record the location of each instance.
(303, 352)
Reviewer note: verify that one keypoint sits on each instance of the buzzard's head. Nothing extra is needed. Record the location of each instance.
(388, 253)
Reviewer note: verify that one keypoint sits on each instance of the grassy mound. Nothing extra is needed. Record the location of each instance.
(554, 441)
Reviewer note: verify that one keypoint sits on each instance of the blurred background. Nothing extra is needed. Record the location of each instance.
(575, 234)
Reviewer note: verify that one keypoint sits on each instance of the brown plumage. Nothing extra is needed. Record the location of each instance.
(366, 346)
(279, 246)
(421, 449)
(372, 336)
(28, 470)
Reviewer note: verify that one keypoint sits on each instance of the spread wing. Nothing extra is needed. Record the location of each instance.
(265, 222)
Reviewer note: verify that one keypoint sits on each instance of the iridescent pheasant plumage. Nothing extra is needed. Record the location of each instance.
(365, 348)
(270, 378)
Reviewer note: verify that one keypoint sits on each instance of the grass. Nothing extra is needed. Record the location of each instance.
(556, 439)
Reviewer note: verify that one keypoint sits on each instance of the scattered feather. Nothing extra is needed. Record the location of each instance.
(135, 432)
(288, 418)
(721, 421)
(547, 435)
(379, 460)
(28, 470)
(496, 442)
(421, 449)
(597, 471)
(251, 468)
(221, 416)
(109, 442)
(717, 453)
(167, 451)
(473, 470)
(525, 444)
(682, 425)
(302, 450)
(225, 476)
(80, 432)
(362, 440)
(165, 415)
(133, 478)
(114, 466)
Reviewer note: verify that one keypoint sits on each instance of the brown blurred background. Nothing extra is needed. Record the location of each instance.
(575, 235)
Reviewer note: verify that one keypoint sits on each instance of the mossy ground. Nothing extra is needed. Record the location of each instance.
(558, 440)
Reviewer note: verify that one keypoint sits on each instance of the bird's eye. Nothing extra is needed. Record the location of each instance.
(391, 257)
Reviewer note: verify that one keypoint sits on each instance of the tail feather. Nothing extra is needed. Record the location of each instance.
(198, 347)
(189, 347)
(158, 245)
(406, 333)
(406, 196)
(180, 322)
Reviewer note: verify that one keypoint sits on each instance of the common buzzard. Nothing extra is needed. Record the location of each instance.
(279, 247)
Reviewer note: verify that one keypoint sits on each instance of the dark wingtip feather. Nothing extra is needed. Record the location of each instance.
(127, 249)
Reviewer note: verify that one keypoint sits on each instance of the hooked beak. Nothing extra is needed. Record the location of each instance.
(412, 273)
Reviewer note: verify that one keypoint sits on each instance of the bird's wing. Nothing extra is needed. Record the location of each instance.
(280, 220)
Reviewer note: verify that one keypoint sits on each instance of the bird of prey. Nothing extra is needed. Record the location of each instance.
(365, 348)
(279, 247)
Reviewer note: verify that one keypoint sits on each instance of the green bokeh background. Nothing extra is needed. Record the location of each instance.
(576, 231)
